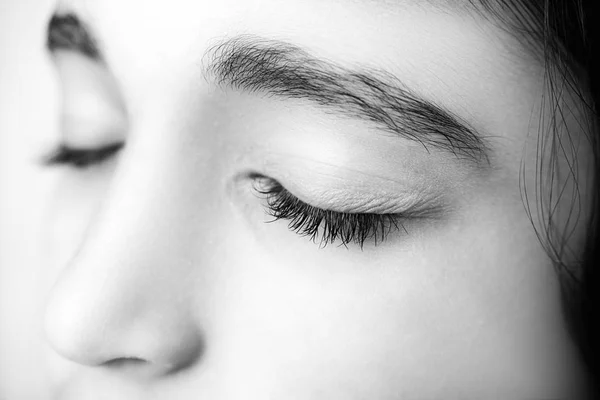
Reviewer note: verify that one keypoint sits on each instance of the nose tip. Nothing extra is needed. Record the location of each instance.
(67, 337)
(118, 336)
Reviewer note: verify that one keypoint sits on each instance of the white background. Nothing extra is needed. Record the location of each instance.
(28, 120)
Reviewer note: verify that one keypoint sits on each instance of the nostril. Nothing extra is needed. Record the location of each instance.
(135, 367)
(125, 362)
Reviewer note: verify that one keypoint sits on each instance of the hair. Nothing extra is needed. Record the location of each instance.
(563, 33)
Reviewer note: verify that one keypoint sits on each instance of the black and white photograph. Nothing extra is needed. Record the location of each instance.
(299, 200)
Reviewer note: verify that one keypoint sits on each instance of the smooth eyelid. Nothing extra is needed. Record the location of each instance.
(349, 196)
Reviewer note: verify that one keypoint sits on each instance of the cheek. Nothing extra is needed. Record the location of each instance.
(496, 301)
(471, 307)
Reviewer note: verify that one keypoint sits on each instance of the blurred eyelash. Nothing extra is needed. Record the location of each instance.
(81, 158)
(326, 226)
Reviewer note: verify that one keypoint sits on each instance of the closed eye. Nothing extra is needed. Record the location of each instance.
(326, 226)
(81, 158)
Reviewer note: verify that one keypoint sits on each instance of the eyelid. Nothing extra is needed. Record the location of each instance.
(93, 110)
(323, 225)
(325, 188)
(362, 174)
(339, 202)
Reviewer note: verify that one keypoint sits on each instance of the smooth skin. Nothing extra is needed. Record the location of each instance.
(165, 282)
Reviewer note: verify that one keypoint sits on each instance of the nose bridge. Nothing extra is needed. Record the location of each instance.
(127, 293)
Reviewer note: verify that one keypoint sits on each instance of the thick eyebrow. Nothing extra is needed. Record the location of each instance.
(280, 69)
(68, 32)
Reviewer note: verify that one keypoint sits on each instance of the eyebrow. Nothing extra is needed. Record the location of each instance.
(257, 65)
(282, 70)
(68, 32)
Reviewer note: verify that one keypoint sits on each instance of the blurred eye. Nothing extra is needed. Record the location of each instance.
(93, 115)
(82, 158)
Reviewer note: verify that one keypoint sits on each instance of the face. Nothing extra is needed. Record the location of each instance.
(309, 200)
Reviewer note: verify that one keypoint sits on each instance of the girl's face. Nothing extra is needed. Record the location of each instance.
(316, 199)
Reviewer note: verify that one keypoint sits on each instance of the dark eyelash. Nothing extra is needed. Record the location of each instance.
(81, 158)
(309, 221)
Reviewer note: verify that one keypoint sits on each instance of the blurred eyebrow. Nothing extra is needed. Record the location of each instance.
(282, 70)
(68, 32)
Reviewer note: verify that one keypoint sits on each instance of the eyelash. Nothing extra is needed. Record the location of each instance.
(303, 219)
(81, 158)
(330, 226)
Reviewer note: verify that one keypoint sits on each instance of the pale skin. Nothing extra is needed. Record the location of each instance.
(166, 282)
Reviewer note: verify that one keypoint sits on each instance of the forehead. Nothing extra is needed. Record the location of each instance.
(440, 49)
(181, 23)
(461, 7)
(133, 15)
(441, 5)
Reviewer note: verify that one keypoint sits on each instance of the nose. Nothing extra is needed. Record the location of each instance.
(99, 322)
(125, 301)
